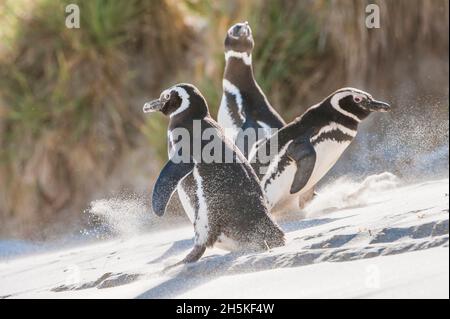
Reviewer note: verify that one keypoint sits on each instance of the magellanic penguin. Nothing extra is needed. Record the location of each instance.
(244, 105)
(223, 197)
(308, 147)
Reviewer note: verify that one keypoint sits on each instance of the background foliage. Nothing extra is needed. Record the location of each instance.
(71, 128)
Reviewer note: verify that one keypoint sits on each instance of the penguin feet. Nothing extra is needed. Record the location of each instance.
(193, 256)
(306, 198)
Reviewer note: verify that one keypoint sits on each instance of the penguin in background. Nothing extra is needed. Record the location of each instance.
(223, 199)
(308, 147)
(244, 105)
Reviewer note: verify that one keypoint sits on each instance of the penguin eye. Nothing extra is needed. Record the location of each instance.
(357, 99)
(166, 96)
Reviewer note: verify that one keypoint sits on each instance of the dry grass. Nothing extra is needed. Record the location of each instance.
(69, 106)
(70, 100)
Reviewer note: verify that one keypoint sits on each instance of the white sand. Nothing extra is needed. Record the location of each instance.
(361, 240)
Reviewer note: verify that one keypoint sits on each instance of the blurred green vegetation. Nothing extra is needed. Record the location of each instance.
(72, 94)
(57, 77)
(288, 44)
(70, 99)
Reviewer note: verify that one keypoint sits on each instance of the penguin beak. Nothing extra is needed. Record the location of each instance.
(153, 106)
(240, 30)
(245, 30)
(378, 106)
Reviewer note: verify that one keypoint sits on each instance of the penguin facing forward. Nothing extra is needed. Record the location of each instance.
(223, 198)
(244, 105)
(308, 147)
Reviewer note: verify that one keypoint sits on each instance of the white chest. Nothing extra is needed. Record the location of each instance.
(195, 205)
(188, 205)
(276, 179)
(170, 144)
(327, 154)
(201, 224)
(226, 121)
(279, 186)
(225, 117)
(280, 179)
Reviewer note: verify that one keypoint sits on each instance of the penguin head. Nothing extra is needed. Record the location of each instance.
(180, 98)
(239, 38)
(356, 103)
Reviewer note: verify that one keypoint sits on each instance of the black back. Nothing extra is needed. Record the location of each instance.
(255, 103)
(309, 124)
(235, 200)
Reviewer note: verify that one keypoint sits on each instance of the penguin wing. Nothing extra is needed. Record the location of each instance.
(167, 183)
(302, 151)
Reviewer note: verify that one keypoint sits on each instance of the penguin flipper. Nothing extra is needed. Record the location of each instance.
(302, 151)
(167, 183)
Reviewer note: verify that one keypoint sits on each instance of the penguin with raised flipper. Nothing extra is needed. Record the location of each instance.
(308, 147)
(244, 105)
(223, 198)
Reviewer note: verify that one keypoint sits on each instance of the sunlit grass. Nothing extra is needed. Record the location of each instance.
(69, 98)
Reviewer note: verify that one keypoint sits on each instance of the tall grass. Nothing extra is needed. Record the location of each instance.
(71, 98)
(287, 47)
(287, 36)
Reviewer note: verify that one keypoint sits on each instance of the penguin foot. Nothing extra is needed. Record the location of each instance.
(167, 268)
(193, 256)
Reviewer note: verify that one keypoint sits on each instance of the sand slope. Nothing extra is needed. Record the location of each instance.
(370, 239)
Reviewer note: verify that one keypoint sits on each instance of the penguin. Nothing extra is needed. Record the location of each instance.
(308, 147)
(222, 198)
(244, 105)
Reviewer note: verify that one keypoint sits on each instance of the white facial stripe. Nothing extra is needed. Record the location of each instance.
(234, 90)
(351, 90)
(244, 56)
(184, 100)
(335, 103)
(331, 127)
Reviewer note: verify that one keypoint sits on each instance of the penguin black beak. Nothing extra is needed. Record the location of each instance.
(240, 30)
(153, 106)
(378, 106)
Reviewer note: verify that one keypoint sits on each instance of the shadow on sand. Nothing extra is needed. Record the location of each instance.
(186, 277)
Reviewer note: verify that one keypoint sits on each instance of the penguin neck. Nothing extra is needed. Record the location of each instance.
(239, 73)
(316, 118)
(186, 117)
